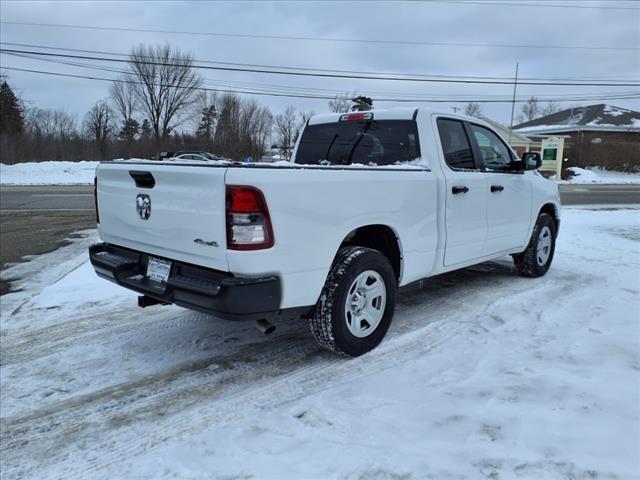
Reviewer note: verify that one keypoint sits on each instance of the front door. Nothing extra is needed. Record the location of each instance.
(466, 198)
(508, 192)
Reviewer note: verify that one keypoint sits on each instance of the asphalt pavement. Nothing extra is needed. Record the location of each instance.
(38, 219)
(79, 199)
(599, 194)
(76, 198)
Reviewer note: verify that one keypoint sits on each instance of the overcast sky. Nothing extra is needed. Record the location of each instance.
(609, 24)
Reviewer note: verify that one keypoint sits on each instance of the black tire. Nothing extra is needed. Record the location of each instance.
(527, 262)
(329, 323)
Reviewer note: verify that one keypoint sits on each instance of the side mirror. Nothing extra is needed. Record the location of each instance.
(531, 161)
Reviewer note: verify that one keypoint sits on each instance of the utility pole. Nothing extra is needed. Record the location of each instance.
(513, 101)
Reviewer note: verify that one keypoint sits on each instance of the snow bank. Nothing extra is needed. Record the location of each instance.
(48, 173)
(78, 173)
(598, 175)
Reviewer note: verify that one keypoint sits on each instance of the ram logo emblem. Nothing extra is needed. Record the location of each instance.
(143, 206)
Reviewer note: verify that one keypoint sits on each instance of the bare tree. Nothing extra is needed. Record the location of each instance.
(287, 129)
(263, 125)
(51, 123)
(242, 128)
(227, 135)
(341, 103)
(550, 108)
(473, 109)
(166, 85)
(125, 103)
(530, 110)
(98, 125)
(305, 116)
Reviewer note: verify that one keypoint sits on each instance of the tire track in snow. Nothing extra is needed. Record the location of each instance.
(91, 329)
(236, 382)
(161, 395)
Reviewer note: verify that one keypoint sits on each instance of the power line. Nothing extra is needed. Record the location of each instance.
(325, 75)
(289, 89)
(537, 5)
(318, 97)
(318, 39)
(326, 70)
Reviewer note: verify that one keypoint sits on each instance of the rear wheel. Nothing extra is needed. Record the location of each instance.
(357, 302)
(536, 259)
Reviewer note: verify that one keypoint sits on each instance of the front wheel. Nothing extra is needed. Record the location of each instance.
(536, 259)
(357, 302)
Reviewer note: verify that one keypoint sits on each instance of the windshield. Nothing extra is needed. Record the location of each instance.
(382, 142)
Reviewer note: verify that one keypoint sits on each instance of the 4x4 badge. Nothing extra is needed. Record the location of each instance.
(143, 206)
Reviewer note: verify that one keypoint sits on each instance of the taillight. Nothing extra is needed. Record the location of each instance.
(95, 197)
(248, 221)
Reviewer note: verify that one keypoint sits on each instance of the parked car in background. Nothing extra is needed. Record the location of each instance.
(190, 155)
(371, 201)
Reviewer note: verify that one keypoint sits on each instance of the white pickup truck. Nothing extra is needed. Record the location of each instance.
(372, 201)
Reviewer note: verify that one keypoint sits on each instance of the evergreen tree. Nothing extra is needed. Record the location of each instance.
(145, 130)
(11, 114)
(207, 122)
(207, 126)
(128, 132)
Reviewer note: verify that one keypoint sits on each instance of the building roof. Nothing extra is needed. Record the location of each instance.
(599, 117)
(514, 139)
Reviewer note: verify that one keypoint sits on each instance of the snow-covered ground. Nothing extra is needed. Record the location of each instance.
(598, 175)
(484, 374)
(48, 173)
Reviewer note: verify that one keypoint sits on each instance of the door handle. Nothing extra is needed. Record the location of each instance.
(457, 190)
(497, 188)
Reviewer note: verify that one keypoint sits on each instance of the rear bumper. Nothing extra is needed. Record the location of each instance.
(190, 286)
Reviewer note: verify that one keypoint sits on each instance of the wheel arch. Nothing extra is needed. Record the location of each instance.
(382, 238)
(553, 210)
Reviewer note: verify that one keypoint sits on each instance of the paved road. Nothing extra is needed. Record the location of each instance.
(600, 194)
(79, 199)
(35, 220)
(70, 199)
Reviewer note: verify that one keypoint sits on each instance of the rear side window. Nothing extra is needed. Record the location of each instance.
(455, 144)
(377, 142)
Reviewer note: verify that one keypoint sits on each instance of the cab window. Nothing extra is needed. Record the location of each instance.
(455, 145)
(494, 153)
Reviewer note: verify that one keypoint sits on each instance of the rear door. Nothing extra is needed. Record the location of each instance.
(508, 193)
(165, 209)
(466, 198)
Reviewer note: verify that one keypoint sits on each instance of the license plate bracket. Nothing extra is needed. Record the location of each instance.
(158, 270)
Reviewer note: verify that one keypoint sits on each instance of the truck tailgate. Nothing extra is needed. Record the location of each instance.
(169, 210)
